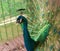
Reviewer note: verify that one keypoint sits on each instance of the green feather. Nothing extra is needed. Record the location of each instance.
(42, 33)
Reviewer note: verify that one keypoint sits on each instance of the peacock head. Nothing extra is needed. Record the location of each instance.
(21, 19)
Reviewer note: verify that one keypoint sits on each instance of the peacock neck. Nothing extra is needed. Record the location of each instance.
(24, 26)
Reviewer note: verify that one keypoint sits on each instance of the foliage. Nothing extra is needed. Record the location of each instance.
(9, 7)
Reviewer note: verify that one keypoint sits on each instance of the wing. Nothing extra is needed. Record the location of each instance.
(38, 28)
(38, 24)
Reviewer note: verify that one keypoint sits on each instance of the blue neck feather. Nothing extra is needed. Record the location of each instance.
(25, 29)
(29, 43)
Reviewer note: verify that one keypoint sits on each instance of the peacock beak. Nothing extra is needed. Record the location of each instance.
(20, 20)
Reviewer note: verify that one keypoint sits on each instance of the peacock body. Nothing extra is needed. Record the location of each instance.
(29, 42)
(40, 16)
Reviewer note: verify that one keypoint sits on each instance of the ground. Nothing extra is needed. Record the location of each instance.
(16, 44)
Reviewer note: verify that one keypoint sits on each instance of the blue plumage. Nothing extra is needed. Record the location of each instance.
(29, 43)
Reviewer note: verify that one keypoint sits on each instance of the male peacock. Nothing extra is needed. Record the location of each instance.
(29, 41)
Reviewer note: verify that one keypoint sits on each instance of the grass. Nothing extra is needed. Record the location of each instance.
(8, 10)
(9, 7)
(9, 31)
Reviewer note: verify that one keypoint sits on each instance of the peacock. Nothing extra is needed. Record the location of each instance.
(29, 42)
(32, 41)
